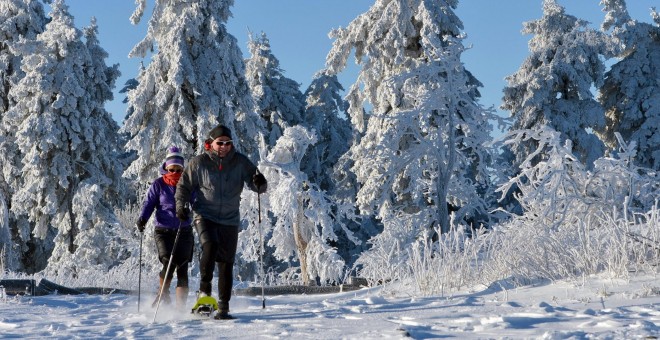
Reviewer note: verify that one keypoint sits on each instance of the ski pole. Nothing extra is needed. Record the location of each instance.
(140, 271)
(167, 271)
(261, 253)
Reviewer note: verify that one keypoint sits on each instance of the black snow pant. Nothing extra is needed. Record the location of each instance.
(182, 254)
(218, 245)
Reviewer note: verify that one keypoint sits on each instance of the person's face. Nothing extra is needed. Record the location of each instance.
(221, 145)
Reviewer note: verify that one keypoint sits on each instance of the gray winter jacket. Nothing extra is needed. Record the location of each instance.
(218, 184)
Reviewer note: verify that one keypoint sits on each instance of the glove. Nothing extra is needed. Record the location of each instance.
(183, 213)
(140, 224)
(259, 181)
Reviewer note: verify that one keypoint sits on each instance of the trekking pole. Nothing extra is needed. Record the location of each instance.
(167, 271)
(140, 271)
(261, 252)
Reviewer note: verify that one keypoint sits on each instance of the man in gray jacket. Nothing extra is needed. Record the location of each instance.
(217, 176)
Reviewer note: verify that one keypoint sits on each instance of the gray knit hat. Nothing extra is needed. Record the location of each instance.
(220, 131)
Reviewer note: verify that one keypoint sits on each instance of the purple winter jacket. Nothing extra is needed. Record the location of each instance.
(161, 198)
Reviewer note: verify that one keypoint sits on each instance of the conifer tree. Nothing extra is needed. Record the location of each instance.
(411, 157)
(101, 80)
(334, 133)
(630, 94)
(195, 80)
(19, 19)
(277, 98)
(63, 137)
(554, 84)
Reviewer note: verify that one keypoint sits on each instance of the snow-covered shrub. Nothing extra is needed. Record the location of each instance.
(577, 222)
(607, 243)
(431, 264)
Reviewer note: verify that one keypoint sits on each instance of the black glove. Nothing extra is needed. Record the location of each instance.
(140, 224)
(259, 181)
(183, 213)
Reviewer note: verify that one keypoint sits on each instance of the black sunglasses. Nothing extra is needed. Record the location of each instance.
(175, 170)
(223, 142)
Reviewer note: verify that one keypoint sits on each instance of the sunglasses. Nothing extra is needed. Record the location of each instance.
(175, 170)
(223, 142)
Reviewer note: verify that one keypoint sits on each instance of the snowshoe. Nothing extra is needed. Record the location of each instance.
(205, 306)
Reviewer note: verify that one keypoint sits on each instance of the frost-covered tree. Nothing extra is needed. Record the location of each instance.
(322, 115)
(303, 218)
(630, 94)
(101, 81)
(195, 80)
(425, 132)
(277, 98)
(19, 19)
(64, 136)
(129, 156)
(554, 84)
(131, 85)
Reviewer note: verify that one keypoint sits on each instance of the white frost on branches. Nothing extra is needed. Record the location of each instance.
(301, 216)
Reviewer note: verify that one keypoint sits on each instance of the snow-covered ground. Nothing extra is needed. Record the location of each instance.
(600, 309)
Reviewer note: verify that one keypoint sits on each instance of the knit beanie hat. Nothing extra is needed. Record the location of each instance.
(220, 131)
(174, 157)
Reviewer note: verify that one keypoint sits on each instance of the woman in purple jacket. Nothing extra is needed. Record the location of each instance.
(160, 198)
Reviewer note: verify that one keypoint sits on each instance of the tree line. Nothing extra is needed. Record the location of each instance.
(404, 154)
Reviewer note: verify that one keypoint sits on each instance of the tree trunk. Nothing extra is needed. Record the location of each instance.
(301, 241)
(69, 203)
(444, 176)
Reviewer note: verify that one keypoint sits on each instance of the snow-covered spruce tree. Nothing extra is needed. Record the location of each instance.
(553, 85)
(334, 133)
(19, 19)
(128, 156)
(422, 145)
(303, 217)
(324, 115)
(101, 78)
(195, 80)
(630, 94)
(277, 99)
(63, 135)
(129, 86)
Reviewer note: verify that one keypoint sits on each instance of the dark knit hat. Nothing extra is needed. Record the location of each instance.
(174, 157)
(220, 131)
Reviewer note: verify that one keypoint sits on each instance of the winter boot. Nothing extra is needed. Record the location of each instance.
(181, 297)
(223, 311)
(166, 293)
(204, 288)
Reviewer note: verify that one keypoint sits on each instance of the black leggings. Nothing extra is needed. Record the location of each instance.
(182, 255)
(218, 245)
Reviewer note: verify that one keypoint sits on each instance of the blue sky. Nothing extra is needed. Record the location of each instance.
(298, 32)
